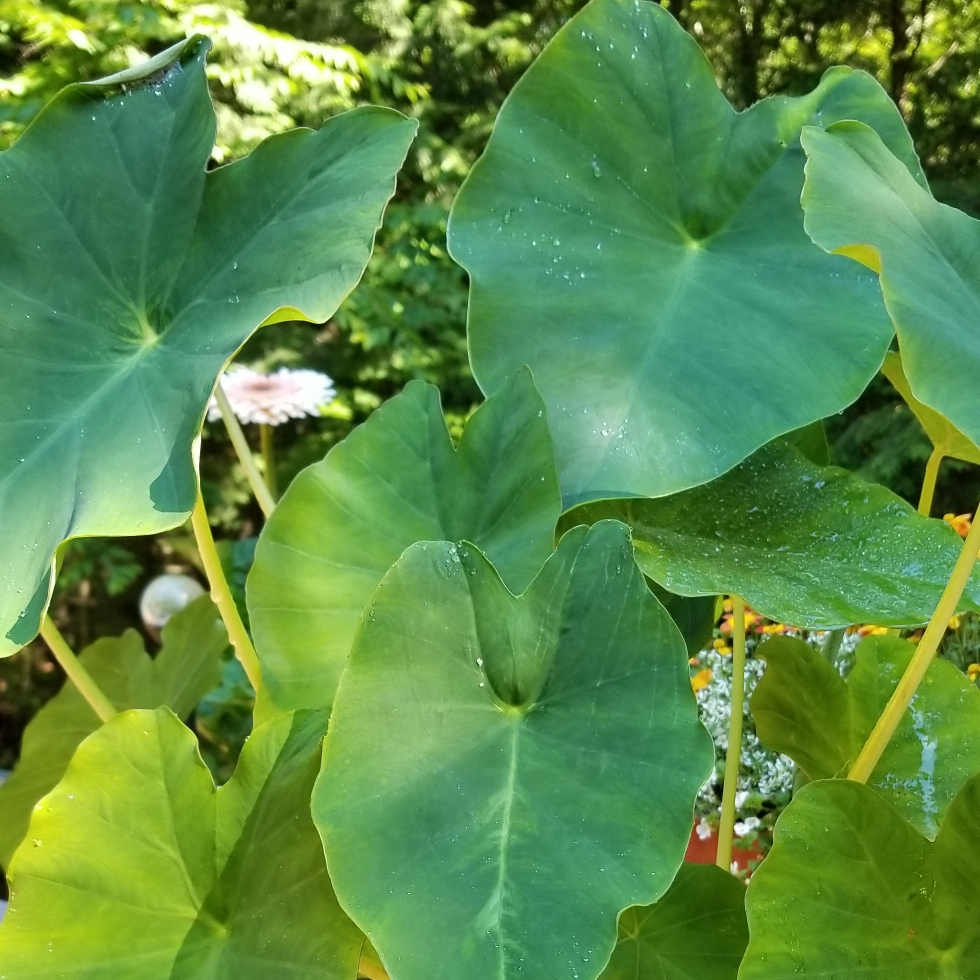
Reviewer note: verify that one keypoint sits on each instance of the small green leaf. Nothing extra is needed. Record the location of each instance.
(862, 201)
(130, 274)
(697, 930)
(811, 440)
(393, 481)
(941, 432)
(515, 771)
(807, 545)
(849, 889)
(804, 709)
(694, 616)
(136, 867)
(186, 668)
(640, 245)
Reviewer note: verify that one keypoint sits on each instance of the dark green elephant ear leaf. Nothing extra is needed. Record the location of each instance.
(129, 275)
(625, 225)
(393, 481)
(804, 709)
(808, 545)
(136, 867)
(698, 929)
(861, 200)
(186, 668)
(849, 889)
(516, 770)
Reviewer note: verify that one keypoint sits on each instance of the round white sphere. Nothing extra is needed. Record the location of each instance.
(166, 595)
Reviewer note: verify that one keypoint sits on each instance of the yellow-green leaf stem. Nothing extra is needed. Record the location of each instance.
(259, 487)
(873, 748)
(77, 674)
(269, 459)
(727, 827)
(221, 593)
(929, 481)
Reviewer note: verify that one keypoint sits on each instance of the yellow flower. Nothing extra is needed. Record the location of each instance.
(722, 647)
(960, 524)
(954, 623)
(973, 672)
(701, 679)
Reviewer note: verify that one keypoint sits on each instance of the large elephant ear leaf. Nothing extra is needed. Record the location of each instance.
(861, 200)
(187, 666)
(134, 858)
(812, 546)
(804, 709)
(849, 889)
(697, 930)
(625, 225)
(528, 763)
(129, 275)
(393, 481)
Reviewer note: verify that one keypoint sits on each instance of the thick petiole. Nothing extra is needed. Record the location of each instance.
(726, 829)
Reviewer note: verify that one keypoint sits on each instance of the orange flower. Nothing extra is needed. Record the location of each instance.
(960, 524)
(873, 631)
(701, 679)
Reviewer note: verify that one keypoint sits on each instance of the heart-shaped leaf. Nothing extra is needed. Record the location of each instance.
(626, 232)
(129, 275)
(808, 545)
(804, 709)
(186, 668)
(862, 201)
(393, 481)
(849, 889)
(941, 432)
(514, 770)
(136, 867)
(697, 930)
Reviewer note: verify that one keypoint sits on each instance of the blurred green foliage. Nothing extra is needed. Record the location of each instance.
(281, 63)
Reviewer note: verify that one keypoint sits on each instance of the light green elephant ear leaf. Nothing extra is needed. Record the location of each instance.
(516, 770)
(862, 201)
(698, 930)
(849, 889)
(129, 275)
(812, 546)
(136, 866)
(804, 709)
(941, 432)
(186, 668)
(625, 228)
(393, 481)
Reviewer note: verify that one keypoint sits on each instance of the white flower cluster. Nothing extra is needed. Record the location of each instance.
(273, 398)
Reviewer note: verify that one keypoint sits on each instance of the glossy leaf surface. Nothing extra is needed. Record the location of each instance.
(137, 867)
(129, 275)
(698, 929)
(849, 889)
(804, 709)
(626, 228)
(516, 770)
(186, 668)
(863, 201)
(803, 544)
(393, 481)
(942, 433)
